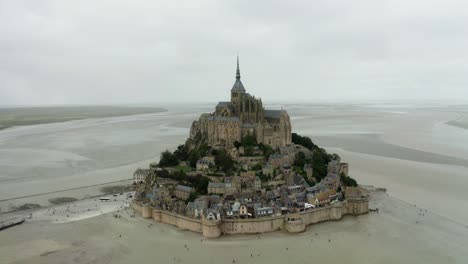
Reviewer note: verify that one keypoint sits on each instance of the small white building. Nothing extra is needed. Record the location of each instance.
(139, 176)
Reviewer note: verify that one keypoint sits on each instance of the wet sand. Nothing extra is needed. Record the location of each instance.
(399, 233)
(21, 116)
(440, 188)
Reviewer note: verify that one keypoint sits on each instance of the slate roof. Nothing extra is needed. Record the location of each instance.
(216, 185)
(222, 104)
(224, 118)
(275, 114)
(238, 86)
(183, 188)
(143, 172)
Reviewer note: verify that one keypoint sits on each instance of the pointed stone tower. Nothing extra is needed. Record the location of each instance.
(238, 89)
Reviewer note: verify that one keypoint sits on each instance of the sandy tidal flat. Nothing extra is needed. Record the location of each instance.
(399, 233)
(410, 150)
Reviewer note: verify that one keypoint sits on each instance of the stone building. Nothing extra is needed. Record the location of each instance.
(257, 183)
(216, 187)
(139, 176)
(182, 192)
(205, 163)
(309, 170)
(242, 115)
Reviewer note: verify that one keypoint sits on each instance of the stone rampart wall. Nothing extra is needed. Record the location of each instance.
(182, 222)
(136, 206)
(252, 226)
(357, 206)
(295, 226)
(322, 214)
(257, 225)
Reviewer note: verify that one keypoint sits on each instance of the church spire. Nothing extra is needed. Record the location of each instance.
(238, 87)
(238, 70)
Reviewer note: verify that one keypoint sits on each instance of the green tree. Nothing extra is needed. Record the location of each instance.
(181, 152)
(248, 151)
(249, 141)
(266, 149)
(223, 161)
(193, 156)
(300, 159)
(257, 167)
(197, 153)
(168, 159)
(348, 181)
(319, 165)
(199, 182)
(192, 197)
(303, 141)
(179, 175)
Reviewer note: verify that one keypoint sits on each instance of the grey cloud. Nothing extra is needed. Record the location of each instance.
(93, 52)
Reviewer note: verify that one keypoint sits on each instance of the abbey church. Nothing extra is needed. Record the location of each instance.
(243, 115)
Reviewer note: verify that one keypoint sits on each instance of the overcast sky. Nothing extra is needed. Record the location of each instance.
(104, 52)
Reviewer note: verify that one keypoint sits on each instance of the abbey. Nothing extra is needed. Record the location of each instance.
(243, 115)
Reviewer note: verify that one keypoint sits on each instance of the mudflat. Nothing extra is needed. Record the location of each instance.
(399, 233)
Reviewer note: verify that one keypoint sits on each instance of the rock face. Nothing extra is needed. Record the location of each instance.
(243, 115)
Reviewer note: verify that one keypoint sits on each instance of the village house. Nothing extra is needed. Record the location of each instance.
(243, 211)
(213, 214)
(286, 168)
(139, 176)
(196, 208)
(260, 211)
(257, 183)
(267, 169)
(317, 188)
(309, 171)
(295, 189)
(332, 181)
(205, 163)
(276, 160)
(160, 193)
(231, 185)
(232, 211)
(216, 187)
(323, 198)
(182, 192)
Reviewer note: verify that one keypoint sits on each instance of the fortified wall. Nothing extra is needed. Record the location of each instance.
(292, 223)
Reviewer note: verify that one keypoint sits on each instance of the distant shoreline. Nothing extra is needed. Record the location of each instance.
(24, 116)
